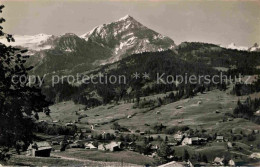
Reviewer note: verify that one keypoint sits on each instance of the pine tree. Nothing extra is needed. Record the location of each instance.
(19, 102)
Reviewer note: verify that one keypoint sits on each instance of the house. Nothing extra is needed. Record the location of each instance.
(186, 141)
(113, 146)
(229, 145)
(39, 149)
(102, 147)
(218, 161)
(74, 145)
(129, 116)
(55, 143)
(173, 164)
(220, 138)
(158, 112)
(90, 146)
(69, 124)
(142, 133)
(231, 163)
(92, 127)
(203, 140)
(131, 146)
(154, 147)
(195, 140)
(178, 136)
(217, 111)
(172, 144)
(55, 121)
(179, 107)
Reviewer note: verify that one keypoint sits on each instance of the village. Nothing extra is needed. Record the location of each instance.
(94, 135)
(142, 142)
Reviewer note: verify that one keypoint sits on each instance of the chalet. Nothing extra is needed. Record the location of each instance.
(172, 164)
(257, 113)
(113, 146)
(102, 147)
(69, 124)
(154, 147)
(131, 146)
(220, 138)
(92, 127)
(39, 149)
(217, 111)
(195, 140)
(90, 146)
(229, 145)
(172, 144)
(55, 121)
(129, 116)
(203, 140)
(158, 112)
(186, 141)
(55, 143)
(178, 137)
(142, 133)
(74, 145)
(218, 161)
(231, 163)
(179, 107)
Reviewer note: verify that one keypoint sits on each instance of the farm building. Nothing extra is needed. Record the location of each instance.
(113, 146)
(74, 145)
(220, 138)
(218, 161)
(90, 146)
(186, 141)
(39, 149)
(102, 147)
(178, 136)
(231, 163)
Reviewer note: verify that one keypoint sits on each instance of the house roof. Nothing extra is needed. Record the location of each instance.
(172, 164)
(41, 145)
(112, 145)
(220, 137)
(90, 145)
(195, 138)
(217, 159)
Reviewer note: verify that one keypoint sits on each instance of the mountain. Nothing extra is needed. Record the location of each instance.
(127, 36)
(105, 44)
(32, 42)
(233, 46)
(69, 54)
(254, 48)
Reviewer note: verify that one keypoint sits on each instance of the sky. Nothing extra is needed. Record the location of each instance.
(212, 21)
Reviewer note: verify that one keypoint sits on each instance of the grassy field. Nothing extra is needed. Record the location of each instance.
(96, 155)
(203, 112)
(192, 114)
(76, 158)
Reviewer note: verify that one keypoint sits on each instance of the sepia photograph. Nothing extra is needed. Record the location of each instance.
(125, 83)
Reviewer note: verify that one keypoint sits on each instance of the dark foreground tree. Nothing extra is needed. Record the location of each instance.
(19, 102)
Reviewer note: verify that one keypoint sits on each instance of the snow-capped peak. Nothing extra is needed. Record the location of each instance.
(125, 18)
(233, 46)
(31, 42)
(254, 48)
